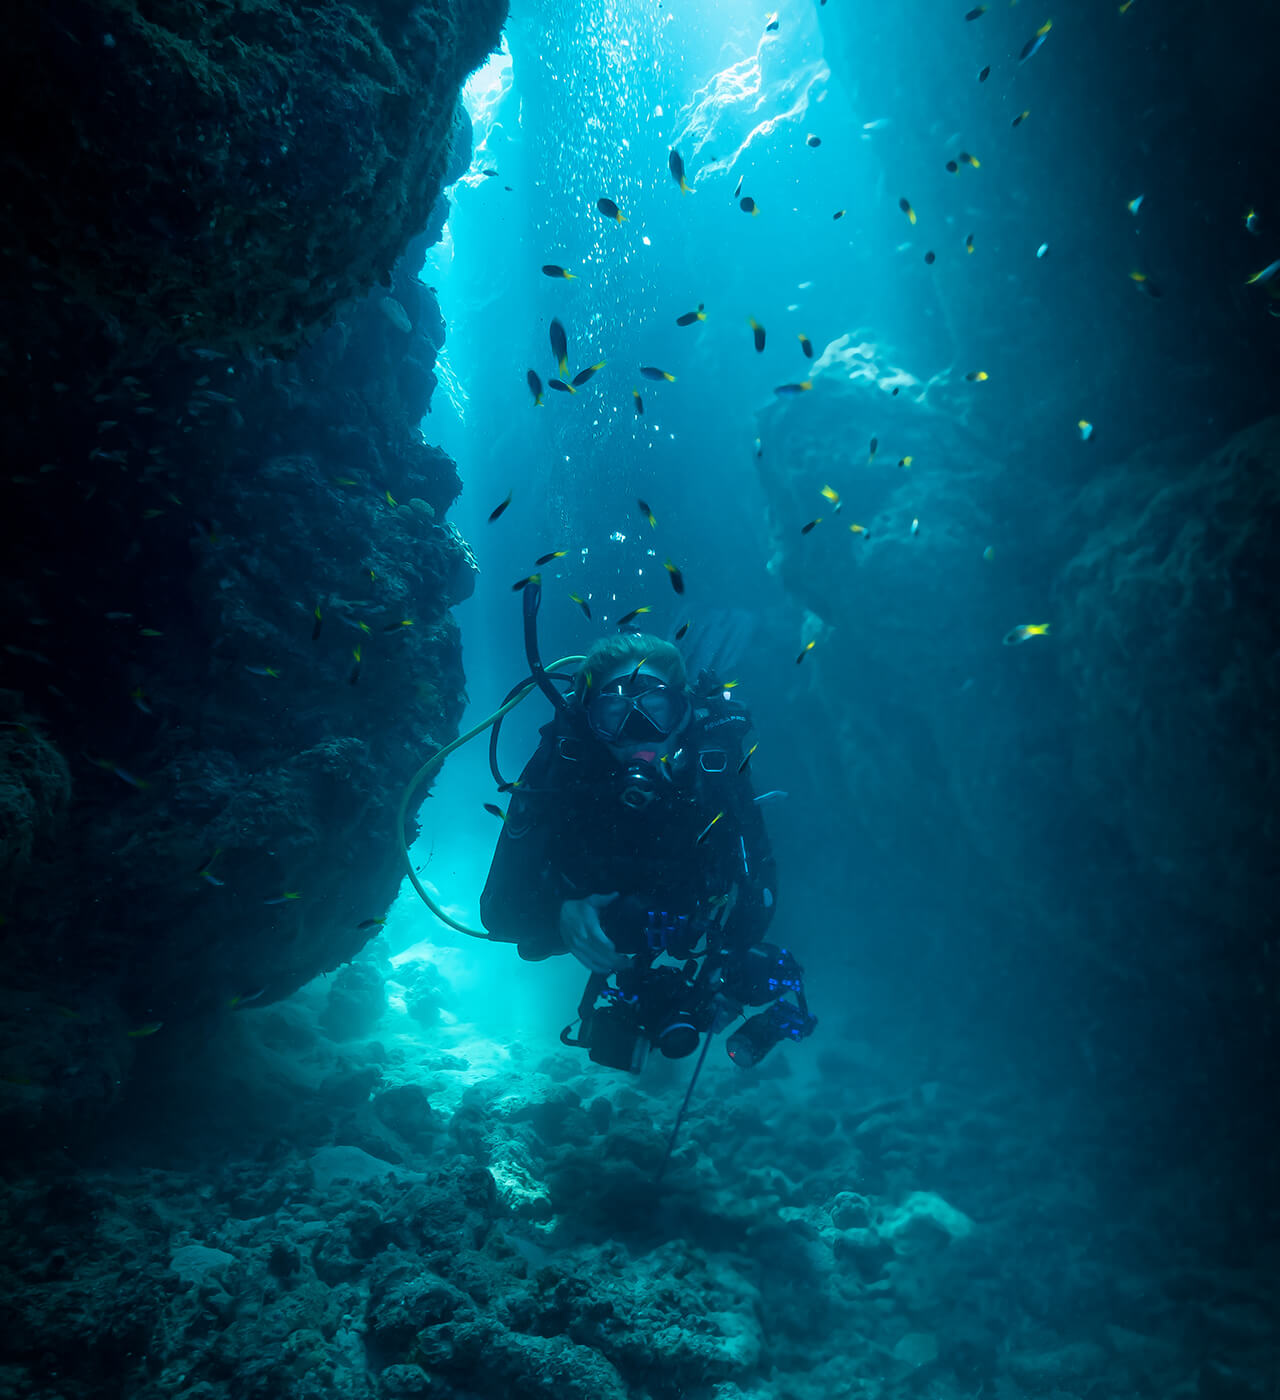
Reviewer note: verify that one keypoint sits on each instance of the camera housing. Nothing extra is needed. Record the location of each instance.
(654, 1007)
(670, 1008)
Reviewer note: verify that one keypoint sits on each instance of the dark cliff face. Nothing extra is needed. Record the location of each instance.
(228, 175)
(225, 595)
(1091, 812)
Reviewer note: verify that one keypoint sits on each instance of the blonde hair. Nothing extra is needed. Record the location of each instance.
(610, 655)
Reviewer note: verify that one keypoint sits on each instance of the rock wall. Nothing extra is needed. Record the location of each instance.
(1169, 645)
(226, 596)
(228, 175)
(1108, 787)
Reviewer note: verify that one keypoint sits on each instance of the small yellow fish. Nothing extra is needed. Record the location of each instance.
(583, 604)
(1252, 223)
(905, 461)
(706, 830)
(1036, 42)
(968, 244)
(247, 998)
(555, 270)
(1025, 632)
(1021, 117)
(206, 874)
(647, 513)
(805, 650)
(560, 346)
(806, 345)
(523, 583)
(549, 558)
(632, 615)
(583, 375)
(905, 205)
(1144, 284)
(747, 758)
(804, 529)
(970, 160)
(150, 1028)
(861, 530)
(976, 376)
(495, 811)
(831, 494)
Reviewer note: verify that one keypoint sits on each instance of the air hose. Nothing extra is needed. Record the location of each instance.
(430, 766)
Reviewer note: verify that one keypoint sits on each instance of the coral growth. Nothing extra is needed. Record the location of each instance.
(229, 175)
(35, 787)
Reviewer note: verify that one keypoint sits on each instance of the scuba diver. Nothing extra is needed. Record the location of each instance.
(634, 842)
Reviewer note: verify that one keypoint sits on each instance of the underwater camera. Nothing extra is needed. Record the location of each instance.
(664, 1007)
(669, 1008)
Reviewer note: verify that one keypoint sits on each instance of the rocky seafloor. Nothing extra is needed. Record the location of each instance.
(391, 1204)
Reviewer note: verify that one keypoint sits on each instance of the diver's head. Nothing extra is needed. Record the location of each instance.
(635, 696)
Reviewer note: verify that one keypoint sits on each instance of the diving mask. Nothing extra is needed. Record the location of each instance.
(638, 708)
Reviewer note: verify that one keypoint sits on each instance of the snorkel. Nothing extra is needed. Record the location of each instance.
(539, 678)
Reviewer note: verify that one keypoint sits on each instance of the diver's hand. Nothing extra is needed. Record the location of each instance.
(585, 939)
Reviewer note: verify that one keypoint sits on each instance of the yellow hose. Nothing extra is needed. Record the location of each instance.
(431, 765)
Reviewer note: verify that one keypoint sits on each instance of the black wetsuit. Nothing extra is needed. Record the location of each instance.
(569, 835)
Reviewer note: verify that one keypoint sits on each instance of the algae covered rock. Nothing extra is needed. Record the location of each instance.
(230, 174)
(356, 1002)
(1170, 646)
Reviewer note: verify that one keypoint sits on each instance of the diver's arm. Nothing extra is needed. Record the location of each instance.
(756, 872)
(523, 894)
